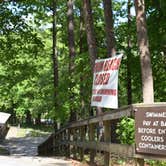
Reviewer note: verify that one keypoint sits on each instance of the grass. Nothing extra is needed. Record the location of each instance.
(44, 128)
(34, 131)
(3, 151)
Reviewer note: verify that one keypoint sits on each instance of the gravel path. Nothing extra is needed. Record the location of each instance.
(33, 161)
(23, 152)
(26, 146)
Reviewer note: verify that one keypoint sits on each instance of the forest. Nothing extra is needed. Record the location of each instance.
(48, 49)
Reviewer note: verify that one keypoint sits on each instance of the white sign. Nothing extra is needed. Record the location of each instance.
(105, 82)
(4, 117)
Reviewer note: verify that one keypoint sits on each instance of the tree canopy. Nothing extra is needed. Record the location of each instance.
(26, 66)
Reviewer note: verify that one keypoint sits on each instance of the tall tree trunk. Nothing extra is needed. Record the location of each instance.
(81, 47)
(54, 55)
(28, 117)
(13, 113)
(88, 19)
(55, 58)
(111, 50)
(38, 119)
(109, 27)
(145, 59)
(129, 88)
(90, 32)
(71, 46)
(82, 50)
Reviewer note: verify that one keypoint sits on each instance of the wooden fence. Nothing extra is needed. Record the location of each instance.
(3, 131)
(74, 139)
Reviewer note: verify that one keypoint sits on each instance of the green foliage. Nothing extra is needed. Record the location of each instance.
(125, 130)
(26, 74)
(34, 131)
(157, 39)
(155, 163)
(23, 64)
(4, 151)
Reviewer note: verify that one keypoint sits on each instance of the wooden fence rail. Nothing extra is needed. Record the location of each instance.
(79, 136)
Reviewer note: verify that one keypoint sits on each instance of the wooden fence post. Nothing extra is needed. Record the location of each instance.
(91, 138)
(54, 143)
(68, 144)
(82, 139)
(61, 146)
(139, 162)
(72, 139)
(63, 139)
(74, 146)
(60, 139)
(107, 138)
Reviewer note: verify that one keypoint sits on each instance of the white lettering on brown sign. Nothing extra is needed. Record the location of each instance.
(150, 133)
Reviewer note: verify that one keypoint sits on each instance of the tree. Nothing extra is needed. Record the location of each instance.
(129, 87)
(28, 83)
(156, 26)
(108, 15)
(81, 51)
(145, 59)
(71, 45)
(55, 54)
(90, 32)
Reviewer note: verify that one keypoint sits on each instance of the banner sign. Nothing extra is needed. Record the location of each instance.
(105, 82)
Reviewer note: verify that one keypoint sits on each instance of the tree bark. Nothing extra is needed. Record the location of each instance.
(28, 117)
(82, 50)
(54, 55)
(91, 40)
(145, 59)
(90, 32)
(38, 119)
(109, 28)
(111, 49)
(129, 87)
(71, 45)
(71, 33)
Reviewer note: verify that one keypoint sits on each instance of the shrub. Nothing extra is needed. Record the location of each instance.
(125, 130)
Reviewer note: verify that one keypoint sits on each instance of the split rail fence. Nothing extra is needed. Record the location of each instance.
(78, 137)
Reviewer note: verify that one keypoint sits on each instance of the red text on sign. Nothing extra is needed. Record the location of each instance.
(112, 92)
(102, 79)
(97, 98)
(111, 64)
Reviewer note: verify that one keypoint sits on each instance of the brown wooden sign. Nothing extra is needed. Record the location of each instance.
(150, 130)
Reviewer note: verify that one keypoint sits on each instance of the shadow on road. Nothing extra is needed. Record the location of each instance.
(23, 152)
(24, 146)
